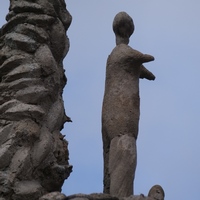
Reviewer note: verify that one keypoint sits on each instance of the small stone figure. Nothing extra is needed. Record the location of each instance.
(120, 112)
(156, 193)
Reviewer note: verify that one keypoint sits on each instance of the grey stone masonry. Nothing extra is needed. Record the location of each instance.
(33, 152)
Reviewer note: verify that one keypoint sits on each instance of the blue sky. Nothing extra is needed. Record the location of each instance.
(168, 143)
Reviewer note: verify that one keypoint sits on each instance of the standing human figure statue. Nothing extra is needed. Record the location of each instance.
(120, 112)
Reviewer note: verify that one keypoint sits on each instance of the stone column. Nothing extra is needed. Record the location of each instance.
(33, 152)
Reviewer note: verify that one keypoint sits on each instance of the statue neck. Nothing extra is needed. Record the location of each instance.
(120, 40)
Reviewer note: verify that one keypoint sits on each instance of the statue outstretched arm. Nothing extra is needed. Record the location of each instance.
(145, 73)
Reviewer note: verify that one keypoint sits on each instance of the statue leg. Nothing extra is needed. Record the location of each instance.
(106, 150)
(122, 165)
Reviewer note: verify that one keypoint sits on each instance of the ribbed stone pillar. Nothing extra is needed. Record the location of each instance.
(33, 152)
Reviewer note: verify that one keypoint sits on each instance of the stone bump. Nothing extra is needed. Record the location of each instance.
(156, 193)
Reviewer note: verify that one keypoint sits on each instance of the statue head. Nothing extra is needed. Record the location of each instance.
(123, 28)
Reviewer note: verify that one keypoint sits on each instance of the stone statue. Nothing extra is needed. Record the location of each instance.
(121, 109)
(33, 152)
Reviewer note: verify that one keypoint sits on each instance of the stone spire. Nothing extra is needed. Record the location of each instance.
(33, 152)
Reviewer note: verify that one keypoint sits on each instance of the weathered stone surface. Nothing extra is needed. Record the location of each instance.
(36, 33)
(94, 196)
(121, 109)
(24, 6)
(33, 153)
(26, 189)
(21, 42)
(53, 196)
(28, 70)
(11, 63)
(100, 196)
